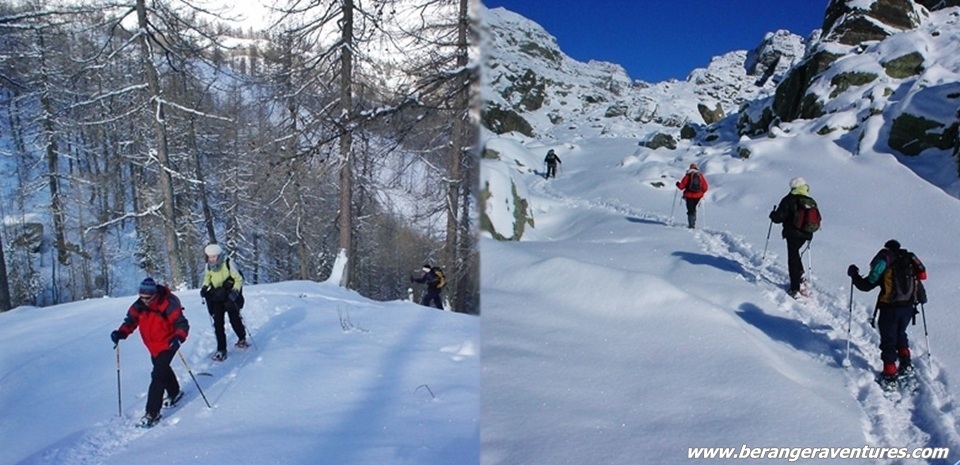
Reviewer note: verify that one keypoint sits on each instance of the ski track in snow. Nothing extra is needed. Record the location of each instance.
(923, 419)
(106, 438)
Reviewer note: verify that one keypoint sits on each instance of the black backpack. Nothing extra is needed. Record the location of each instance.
(239, 300)
(905, 287)
(694, 185)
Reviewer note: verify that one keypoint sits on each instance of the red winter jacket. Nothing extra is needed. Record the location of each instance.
(159, 321)
(687, 193)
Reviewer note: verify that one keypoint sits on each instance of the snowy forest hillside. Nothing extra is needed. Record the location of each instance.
(331, 377)
(641, 341)
(134, 133)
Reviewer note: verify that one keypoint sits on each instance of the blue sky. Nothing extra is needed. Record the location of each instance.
(656, 40)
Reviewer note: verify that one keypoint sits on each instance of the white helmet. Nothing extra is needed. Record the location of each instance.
(213, 250)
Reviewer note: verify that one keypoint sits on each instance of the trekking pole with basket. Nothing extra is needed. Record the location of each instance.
(767, 243)
(846, 359)
(184, 360)
(673, 206)
(926, 335)
(119, 394)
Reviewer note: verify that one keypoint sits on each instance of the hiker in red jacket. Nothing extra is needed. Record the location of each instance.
(159, 315)
(693, 185)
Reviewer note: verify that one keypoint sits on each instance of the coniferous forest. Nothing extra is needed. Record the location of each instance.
(135, 132)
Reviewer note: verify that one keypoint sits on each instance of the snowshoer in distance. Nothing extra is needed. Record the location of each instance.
(694, 186)
(435, 280)
(791, 212)
(159, 315)
(898, 273)
(551, 160)
(221, 289)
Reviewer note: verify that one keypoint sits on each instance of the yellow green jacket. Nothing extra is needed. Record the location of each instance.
(218, 273)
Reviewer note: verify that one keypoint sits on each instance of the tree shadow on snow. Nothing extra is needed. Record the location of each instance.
(799, 335)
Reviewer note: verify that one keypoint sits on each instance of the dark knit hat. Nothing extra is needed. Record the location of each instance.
(892, 244)
(148, 286)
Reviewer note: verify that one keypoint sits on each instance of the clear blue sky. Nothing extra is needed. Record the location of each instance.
(656, 40)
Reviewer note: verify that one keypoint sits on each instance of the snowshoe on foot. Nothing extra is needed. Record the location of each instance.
(149, 420)
(219, 356)
(242, 344)
(172, 402)
(888, 383)
(906, 370)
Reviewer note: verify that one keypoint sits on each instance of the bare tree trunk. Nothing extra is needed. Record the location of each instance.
(346, 139)
(53, 159)
(459, 241)
(4, 284)
(159, 125)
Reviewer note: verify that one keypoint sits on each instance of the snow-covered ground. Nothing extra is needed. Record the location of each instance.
(612, 334)
(332, 378)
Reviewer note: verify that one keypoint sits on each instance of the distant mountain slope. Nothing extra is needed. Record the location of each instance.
(532, 86)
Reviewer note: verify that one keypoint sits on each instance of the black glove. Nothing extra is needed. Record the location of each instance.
(228, 284)
(203, 292)
(678, 184)
(773, 215)
(921, 293)
(175, 342)
(116, 336)
(853, 271)
(232, 296)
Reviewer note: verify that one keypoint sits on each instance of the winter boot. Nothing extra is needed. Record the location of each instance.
(219, 356)
(172, 402)
(691, 221)
(242, 344)
(888, 377)
(149, 419)
(906, 365)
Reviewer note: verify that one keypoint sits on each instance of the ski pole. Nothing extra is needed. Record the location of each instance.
(119, 395)
(846, 359)
(767, 243)
(701, 205)
(184, 360)
(673, 206)
(926, 335)
(809, 276)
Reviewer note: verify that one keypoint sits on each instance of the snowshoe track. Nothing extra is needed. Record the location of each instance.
(923, 419)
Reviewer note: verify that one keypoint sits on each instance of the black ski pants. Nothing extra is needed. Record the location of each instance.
(218, 310)
(431, 299)
(162, 379)
(795, 262)
(551, 170)
(892, 325)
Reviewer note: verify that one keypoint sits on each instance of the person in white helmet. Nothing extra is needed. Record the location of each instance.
(221, 291)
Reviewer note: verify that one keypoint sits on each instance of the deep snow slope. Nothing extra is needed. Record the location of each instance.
(332, 377)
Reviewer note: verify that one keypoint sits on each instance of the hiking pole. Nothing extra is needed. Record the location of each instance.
(809, 276)
(767, 243)
(926, 335)
(673, 206)
(119, 396)
(701, 205)
(846, 359)
(184, 360)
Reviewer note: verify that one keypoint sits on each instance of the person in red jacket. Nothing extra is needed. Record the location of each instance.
(159, 315)
(693, 185)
